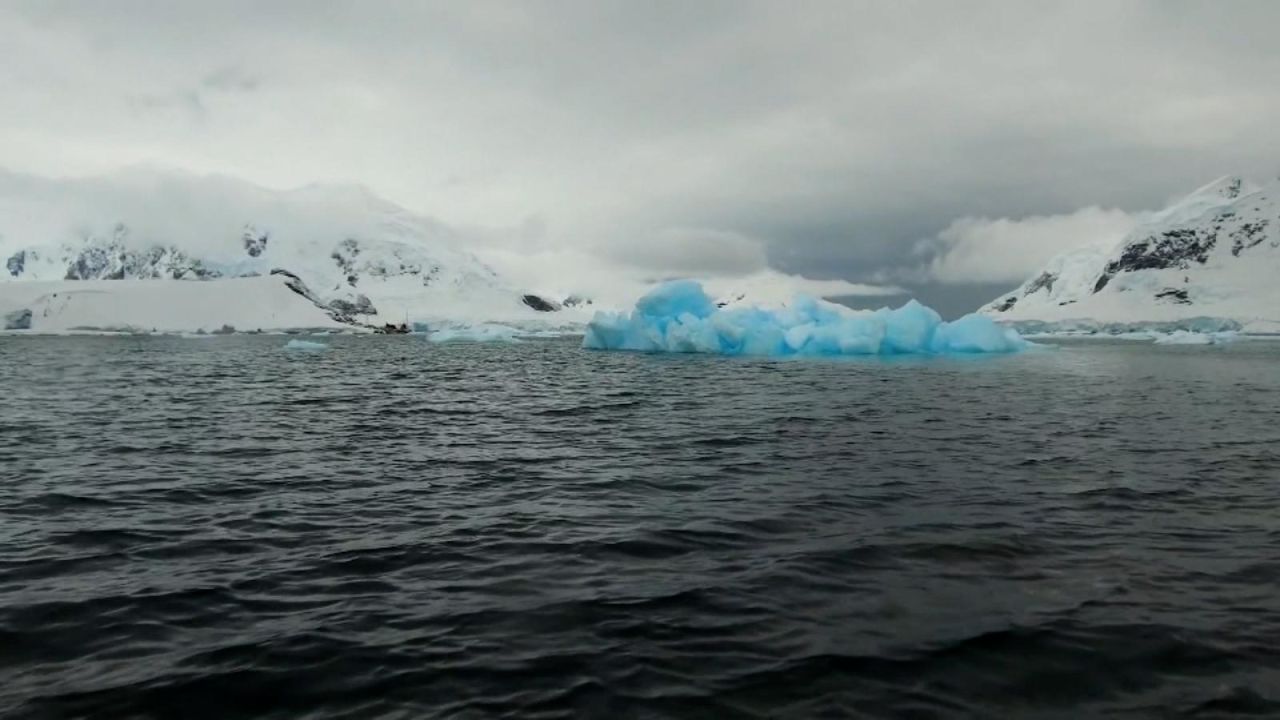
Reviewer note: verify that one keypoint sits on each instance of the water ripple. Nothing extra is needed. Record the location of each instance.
(390, 529)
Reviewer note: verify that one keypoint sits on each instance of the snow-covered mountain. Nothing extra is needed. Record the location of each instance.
(162, 250)
(1209, 261)
(360, 260)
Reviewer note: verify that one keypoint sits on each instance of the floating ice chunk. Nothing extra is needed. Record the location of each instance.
(1186, 337)
(679, 317)
(305, 345)
(484, 332)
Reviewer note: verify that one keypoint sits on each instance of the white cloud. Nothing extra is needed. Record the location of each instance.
(982, 250)
(694, 251)
(728, 264)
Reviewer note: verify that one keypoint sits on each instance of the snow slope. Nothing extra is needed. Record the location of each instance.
(246, 304)
(1207, 262)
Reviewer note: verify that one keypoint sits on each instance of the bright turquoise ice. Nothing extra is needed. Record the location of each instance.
(678, 317)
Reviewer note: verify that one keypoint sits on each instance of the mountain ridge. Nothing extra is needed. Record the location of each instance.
(1211, 256)
(354, 258)
(365, 260)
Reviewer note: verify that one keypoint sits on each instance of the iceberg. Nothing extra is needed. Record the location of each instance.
(679, 317)
(306, 345)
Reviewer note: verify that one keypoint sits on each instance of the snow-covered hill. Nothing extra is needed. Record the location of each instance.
(233, 304)
(361, 260)
(129, 250)
(1209, 261)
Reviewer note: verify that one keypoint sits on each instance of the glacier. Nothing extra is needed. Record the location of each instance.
(679, 317)
(1185, 337)
(482, 332)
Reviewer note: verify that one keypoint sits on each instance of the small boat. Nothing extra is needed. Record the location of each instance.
(392, 329)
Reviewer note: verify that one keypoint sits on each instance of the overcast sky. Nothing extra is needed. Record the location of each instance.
(933, 144)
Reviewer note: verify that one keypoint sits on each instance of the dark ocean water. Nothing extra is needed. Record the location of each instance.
(224, 529)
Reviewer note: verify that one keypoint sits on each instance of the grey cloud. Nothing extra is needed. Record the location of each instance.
(972, 250)
(694, 251)
(187, 101)
(230, 80)
(194, 101)
(839, 134)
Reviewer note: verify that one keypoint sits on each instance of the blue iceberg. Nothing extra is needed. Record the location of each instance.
(678, 317)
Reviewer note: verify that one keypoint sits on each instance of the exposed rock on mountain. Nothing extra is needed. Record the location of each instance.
(1214, 255)
(355, 254)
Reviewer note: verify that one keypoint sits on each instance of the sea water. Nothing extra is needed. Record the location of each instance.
(398, 529)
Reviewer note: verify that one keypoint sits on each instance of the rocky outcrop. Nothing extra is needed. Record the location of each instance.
(1177, 248)
(345, 256)
(1044, 281)
(1176, 295)
(116, 258)
(340, 310)
(17, 263)
(255, 243)
(1215, 253)
(18, 320)
(1248, 235)
(360, 306)
(355, 264)
(540, 304)
(295, 283)
(1007, 304)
